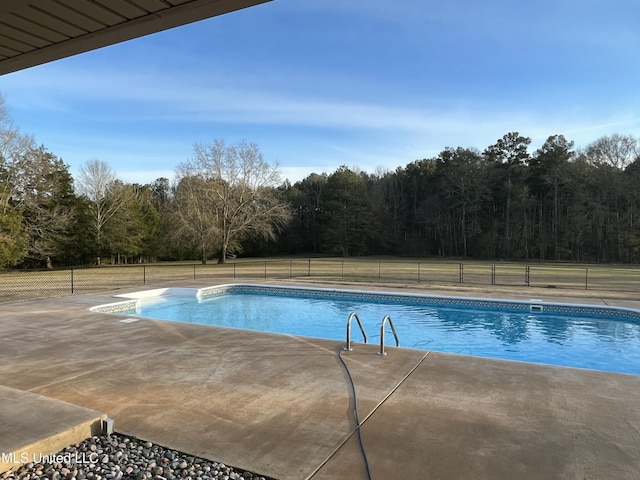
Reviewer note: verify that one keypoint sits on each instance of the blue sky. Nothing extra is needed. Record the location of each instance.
(321, 83)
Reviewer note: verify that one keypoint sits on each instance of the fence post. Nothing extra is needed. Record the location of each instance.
(234, 269)
(144, 274)
(527, 276)
(309, 268)
(72, 281)
(586, 279)
(493, 274)
(194, 271)
(342, 268)
(290, 268)
(461, 276)
(379, 267)
(265, 269)
(418, 272)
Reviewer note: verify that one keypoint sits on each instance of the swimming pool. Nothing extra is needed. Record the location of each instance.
(599, 338)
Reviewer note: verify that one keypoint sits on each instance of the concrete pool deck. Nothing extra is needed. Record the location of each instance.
(282, 405)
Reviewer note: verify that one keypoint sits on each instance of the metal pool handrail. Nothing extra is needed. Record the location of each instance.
(353, 315)
(393, 329)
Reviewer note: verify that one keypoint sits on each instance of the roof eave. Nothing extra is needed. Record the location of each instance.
(171, 17)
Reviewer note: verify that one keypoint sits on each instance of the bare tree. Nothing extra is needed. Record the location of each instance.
(13, 239)
(195, 215)
(12, 142)
(232, 195)
(13, 145)
(105, 195)
(617, 151)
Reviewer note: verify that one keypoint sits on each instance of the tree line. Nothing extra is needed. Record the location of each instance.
(505, 202)
(224, 196)
(555, 203)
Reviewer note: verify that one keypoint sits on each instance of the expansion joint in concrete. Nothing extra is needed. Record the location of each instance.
(362, 422)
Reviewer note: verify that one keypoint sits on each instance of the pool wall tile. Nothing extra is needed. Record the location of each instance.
(541, 308)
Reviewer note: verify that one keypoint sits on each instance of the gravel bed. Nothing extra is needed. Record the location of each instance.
(119, 457)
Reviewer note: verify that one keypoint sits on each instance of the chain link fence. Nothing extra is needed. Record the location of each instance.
(26, 285)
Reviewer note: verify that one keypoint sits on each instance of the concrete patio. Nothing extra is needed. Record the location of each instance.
(282, 405)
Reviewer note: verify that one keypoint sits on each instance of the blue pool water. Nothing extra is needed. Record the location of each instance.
(568, 335)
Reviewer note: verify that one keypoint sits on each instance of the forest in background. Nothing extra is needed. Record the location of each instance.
(504, 203)
(557, 203)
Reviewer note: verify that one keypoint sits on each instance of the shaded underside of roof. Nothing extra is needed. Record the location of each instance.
(33, 32)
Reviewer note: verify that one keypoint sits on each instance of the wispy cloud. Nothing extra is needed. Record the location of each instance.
(181, 100)
(381, 134)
